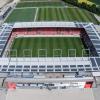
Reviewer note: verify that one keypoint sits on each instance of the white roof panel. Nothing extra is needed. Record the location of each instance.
(43, 24)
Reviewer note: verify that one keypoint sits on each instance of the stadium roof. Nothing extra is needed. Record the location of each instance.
(43, 24)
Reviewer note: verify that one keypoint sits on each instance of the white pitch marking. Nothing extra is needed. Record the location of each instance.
(36, 14)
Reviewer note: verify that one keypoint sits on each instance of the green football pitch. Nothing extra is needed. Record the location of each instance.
(40, 4)
(47, 46)
(51, 14)
(65, 14)
(21, 15)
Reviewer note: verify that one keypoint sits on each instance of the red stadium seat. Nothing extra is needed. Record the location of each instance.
(46, 31)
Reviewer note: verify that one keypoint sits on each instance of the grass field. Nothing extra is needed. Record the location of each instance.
(39, 4)
(21, 15)
(48, 43)
(51, 14)
(65, 14)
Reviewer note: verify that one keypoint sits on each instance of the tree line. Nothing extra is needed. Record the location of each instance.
(92, 8)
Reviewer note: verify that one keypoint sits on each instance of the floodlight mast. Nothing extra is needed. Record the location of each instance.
(58, 54)
(11, 53)
(41, 51)
(84, 54)
(26, 52)
(73, 51)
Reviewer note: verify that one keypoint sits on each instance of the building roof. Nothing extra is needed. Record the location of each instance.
(43, 24)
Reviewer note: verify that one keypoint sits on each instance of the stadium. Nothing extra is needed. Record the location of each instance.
(48, 45)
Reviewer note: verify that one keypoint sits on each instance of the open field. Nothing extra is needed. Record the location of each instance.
(51, 14)
(22, 15)
(47, 43)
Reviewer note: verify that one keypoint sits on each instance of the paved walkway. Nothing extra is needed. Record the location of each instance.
(2, 94)
(43, 94)
(96, 93)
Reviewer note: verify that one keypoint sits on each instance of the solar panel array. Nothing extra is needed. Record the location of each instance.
(5, 30)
